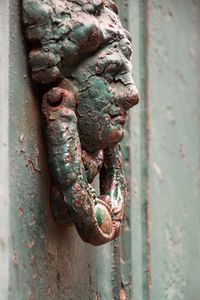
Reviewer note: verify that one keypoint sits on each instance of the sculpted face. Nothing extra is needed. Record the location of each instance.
(105, 97)
(105, 90)
(87, 45)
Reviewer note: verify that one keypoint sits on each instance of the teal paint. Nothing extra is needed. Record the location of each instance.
(174, 62)
(170, 63)
(86, 109)
(99, 216)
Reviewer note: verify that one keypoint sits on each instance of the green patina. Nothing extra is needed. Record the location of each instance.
(99, 216)
(84, 63)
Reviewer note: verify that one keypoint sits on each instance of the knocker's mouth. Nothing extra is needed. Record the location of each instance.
(119, 118)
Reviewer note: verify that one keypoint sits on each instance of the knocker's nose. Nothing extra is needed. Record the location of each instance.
(132, 97)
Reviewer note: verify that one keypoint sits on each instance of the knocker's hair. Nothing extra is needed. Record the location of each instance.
(64, 33)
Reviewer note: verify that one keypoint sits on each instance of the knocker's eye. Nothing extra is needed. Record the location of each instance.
(114, 71)
(111, 71)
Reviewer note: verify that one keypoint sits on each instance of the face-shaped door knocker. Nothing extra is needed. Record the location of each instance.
(80, 53)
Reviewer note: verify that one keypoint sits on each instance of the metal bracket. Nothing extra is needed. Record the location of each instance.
(80, 54)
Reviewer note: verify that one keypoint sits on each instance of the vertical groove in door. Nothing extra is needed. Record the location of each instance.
(145, 123)
(122, 264)
(147, 127)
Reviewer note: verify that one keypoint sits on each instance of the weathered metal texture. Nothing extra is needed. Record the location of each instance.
(166, 146)
(83, 51)
(47, 261)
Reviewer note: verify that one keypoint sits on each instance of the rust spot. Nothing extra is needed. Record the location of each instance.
(32, 167)
(49, 291)
(67, 158)
(32, 259)
(14, 259)
(35, 276)
(181, 151)
(122, 294)
(31, 244)
(21, 211)
(31, 296)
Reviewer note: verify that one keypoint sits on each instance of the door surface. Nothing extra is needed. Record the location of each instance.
(158, 255)
(165, 149)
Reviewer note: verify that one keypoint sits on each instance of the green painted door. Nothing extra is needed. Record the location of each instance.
(165, 150)
(158, 256)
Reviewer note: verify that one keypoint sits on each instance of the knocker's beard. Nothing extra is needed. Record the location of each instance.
(98, 219)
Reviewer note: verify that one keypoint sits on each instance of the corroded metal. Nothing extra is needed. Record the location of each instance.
(80, 54)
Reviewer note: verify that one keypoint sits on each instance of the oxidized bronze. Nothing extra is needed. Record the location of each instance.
(80, 54)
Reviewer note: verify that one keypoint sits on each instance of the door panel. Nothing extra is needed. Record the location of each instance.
(165, 147)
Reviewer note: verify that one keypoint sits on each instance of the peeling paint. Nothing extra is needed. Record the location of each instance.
(84, 109)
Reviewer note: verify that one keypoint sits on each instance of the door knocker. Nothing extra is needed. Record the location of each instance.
(80, 55)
